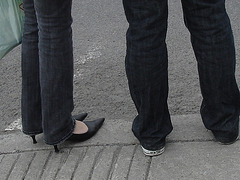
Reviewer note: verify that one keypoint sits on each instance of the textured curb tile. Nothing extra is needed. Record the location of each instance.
(7, 164)
(140, 165)
(123, 162)
(21, 167)
(37, 165)
(85, 166)
(68, 168)
(192, 160)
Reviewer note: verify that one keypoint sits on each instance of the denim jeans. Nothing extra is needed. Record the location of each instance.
(147, 66)
(47, 70)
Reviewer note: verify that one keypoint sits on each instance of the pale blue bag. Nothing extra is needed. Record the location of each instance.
(11, 25)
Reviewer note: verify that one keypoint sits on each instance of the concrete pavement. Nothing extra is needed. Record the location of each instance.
(100, 83)
(114, 153)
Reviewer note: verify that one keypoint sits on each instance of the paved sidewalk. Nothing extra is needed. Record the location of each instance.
(115, 154)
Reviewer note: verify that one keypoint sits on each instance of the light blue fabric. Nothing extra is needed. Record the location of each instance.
(11, 25)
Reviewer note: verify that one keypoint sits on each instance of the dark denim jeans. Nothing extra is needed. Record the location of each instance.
(47, 70)
(147, 66)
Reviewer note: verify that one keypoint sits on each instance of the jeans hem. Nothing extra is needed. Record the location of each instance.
(159, 145)
(64, 137)
(32, 133)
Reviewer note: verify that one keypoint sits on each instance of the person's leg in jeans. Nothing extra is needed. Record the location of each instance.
(47, 100)
(213, 44)
(47, 68)
(56, 68)
(31, 93)
(147, 70)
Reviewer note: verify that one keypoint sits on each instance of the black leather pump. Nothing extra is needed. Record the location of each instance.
(93, 127)
(79, 117)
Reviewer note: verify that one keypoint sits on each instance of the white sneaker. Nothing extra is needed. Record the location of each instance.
(153, 153)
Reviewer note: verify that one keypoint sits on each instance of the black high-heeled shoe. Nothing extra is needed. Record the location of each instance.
(93, 127)
(80, 117)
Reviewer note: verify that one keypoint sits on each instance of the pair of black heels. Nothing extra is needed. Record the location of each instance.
(93, 127)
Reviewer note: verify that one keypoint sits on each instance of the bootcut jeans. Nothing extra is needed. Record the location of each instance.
(47, 70)
(147, 66)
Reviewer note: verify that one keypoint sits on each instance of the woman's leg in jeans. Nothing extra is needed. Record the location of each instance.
(146, 68)
(48, 70)
(31, 96)
(56, 68)
(213, 44)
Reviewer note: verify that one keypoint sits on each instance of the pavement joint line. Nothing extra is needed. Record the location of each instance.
(45, 164)
(96, 159)
(25, 173)
(1, 158)
(68, 147)
(193, 140)
(103, 145)
(63, 160)
(13, 165)
(131, 161)
(148, 168)
(114, 160)
(80, 158)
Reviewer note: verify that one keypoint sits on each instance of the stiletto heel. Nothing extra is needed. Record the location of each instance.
(34, 139)
(56, 149)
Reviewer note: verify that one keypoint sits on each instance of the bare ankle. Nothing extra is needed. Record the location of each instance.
(80, 128)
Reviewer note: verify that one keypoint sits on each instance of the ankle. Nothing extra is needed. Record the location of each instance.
(80, 128)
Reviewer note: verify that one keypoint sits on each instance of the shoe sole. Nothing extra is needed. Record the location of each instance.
(229, 143)
(153, 153)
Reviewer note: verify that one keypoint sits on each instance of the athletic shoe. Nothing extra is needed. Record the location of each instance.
(153, 152)
(227, 140)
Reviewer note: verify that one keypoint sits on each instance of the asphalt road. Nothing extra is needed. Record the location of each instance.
(100, 84)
